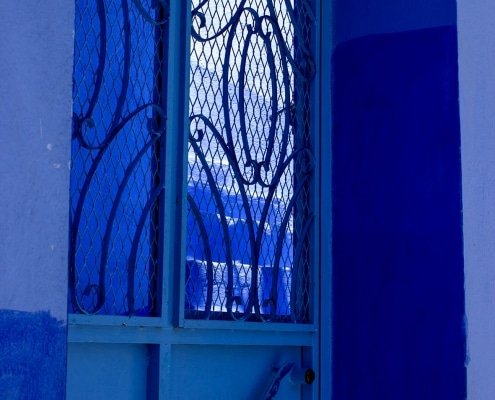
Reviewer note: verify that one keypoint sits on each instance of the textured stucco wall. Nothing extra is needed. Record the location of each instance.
(476, 35)
(36, 50)
(35, 126)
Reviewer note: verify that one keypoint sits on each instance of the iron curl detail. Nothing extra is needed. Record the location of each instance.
(118, 122)
(250, 160)
(163, 19)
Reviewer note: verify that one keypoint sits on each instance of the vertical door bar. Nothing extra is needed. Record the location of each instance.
(311, 356)
(175, 156)
(161, 68)
(325, 210)
(315, 187)
(174, 152)
(164, 376)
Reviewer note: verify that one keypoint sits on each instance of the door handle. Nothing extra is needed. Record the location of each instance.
(298, 376)
(302, 376)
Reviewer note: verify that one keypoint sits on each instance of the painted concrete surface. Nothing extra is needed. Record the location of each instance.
(398, 329)
(356, 18)
(102, 371)
(476, 35)
(32, 356)
(35, 124)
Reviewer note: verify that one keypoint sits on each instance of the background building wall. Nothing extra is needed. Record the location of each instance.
(36, 51)
(398, 284)
(477, 104)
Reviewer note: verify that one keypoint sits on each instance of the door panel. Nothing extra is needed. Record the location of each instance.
(222, 372)
(193, 268)
(103, 371)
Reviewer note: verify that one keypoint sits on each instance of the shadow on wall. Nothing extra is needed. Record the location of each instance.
(398, 261)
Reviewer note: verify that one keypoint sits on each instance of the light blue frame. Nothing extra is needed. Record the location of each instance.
(181, 321)
(326, 44)
(171, 327)
(175, 160)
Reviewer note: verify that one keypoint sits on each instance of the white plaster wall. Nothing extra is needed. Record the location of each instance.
(476, 33)
(36, 51)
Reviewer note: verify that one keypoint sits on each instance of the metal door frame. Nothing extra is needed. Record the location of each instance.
(171, 328)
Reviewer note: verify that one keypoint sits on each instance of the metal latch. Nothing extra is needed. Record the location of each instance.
(298, 376)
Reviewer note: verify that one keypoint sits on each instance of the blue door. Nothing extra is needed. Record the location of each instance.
(194, 264)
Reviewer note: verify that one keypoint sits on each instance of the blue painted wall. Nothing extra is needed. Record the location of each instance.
(36, 51)
(357, 18)
(32, 356)
(476, 35)
(398, 263)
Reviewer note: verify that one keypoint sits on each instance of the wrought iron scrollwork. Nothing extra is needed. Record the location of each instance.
(249, 144)
(118, 121)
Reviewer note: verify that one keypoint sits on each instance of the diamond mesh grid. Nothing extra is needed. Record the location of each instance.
(250, 166)
(118, 121)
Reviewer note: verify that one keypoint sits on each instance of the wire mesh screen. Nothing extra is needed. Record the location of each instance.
(116, 184)
(250, 165)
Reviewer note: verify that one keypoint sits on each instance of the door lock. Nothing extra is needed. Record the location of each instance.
(297, 376)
